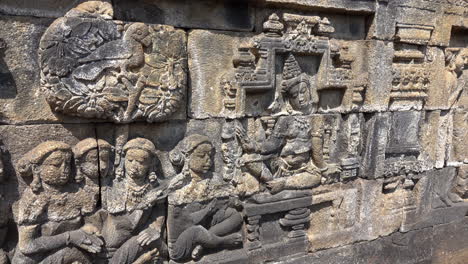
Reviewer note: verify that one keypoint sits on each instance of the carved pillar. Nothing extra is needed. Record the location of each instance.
(253, 232)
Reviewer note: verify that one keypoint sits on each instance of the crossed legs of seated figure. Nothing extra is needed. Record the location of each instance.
(192, 241)
(67, 255)
(131, 250)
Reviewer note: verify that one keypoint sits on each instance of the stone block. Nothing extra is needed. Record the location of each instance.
(449, 241)
(375, 142)
(211, 54)
(349, 26)
(414, 247)
(450, 16)
(260, 79)
(435, 203)
(38, 8)
(206, 14)
(379, 62)
(21, 100)
(353, 6)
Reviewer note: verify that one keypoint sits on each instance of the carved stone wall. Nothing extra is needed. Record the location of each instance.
(266, 131)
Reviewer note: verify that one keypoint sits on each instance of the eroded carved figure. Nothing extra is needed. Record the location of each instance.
(202, 213)
(295, 153)
(94, 67)
(456, 84)
(132, 220)
(92, 161)
(49, 218)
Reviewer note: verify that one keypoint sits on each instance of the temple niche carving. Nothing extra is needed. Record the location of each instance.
(317, 70)
(95, 67)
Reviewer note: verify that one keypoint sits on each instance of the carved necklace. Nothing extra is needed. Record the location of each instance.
(136, 192)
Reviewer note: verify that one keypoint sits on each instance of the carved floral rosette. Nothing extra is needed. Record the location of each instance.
(93, 67)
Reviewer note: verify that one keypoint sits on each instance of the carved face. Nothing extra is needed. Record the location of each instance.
(55, 169)
(297, 161)
(90, 166)
(299, 96)
(137, 163)
(200, 159)
(140, 33)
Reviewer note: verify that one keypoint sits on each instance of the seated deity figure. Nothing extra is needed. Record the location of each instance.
(92, 161)
(299, 162)
(132, 220)
(201, 213)
(49, 220)
(292, 149)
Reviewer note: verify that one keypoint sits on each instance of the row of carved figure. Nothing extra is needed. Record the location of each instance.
(58, 220)
(83, 215)
(74, 210)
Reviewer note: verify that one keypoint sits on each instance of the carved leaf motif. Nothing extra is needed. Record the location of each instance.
(167, 61)
(74, 103)
(115, 94)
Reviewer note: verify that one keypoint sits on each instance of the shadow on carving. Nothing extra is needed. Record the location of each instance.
(7, 82)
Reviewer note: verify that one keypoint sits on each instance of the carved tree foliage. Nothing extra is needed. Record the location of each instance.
(104, 69)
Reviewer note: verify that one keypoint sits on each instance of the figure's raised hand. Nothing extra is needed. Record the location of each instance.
(241, 134)
(91, 229)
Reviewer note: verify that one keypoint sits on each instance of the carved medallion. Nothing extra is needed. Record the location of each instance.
(94, 67)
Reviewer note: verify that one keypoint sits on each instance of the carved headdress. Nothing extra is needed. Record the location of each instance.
(89, 144)
(84, 146)
(179, 156)
(35, 157)
(148, 146)
(292, 76)
(140, 143)
(185, 148)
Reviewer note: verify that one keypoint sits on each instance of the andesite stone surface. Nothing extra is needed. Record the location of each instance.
(233, 132)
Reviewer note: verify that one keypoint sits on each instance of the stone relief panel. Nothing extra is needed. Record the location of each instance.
(94, 67)
(73, 208)
(319, 133)
(292, 66)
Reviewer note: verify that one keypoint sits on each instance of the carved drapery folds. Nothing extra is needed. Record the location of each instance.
(99, 68)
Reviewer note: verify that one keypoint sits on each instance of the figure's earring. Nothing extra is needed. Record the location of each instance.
(36, 183)
(153, 178)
